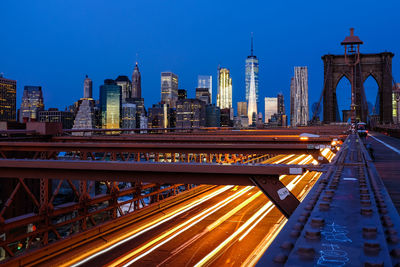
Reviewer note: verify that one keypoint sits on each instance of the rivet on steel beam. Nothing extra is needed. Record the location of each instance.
(370, 232)
(317, 222)
(391, 231)
(305, 214)
(366, 211)
(364, 191)
(365, 197)
(365, 203)
(313, 234)
(324, 206)
(395, 252)
(295, 233)
(371, 248)
(306, 252)
(393, 239)
(302, 219)
(298, 226)
(287, 245)
(280, 258)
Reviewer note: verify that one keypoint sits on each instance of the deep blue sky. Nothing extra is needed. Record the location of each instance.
(54, 43)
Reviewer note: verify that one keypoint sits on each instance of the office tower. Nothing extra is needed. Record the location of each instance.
(140, 109)
(110, 104)
(169, 88)
(126, 87)
(203, 94)
(55, 115)
(242, 109)
(136, 83)
(213, 116)
(128, 116)
(252, 97)
(226, 117)
(396, 103)
(182, 94)
(87, 88)
(271, 107)
(8, 98)
(299, 97)
(161, 116)
(32, 103)
(281, 104)
(190, 113)
(205, 81)
(251, 71)
(224, 97)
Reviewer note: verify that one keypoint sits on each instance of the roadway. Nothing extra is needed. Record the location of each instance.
(386, 153)
(228, 225)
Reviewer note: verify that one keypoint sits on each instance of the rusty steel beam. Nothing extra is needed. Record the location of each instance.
(195, 138)
(270, 148)
(173, 173)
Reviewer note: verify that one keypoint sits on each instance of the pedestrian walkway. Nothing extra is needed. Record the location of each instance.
(386, 151)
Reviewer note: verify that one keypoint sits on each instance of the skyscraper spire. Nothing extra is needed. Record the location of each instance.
(251, 44)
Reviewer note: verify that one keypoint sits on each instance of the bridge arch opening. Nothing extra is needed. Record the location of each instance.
(371, 89)
(343, 98)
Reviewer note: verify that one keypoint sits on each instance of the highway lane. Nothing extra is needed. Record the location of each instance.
(194, 243)
(193, 240)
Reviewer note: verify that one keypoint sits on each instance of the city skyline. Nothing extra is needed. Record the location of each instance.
(76, 42)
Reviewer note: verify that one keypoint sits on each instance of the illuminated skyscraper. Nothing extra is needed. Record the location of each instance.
(8, 97)
(271, 107)
(224, 97)
(205, 81)
(110, 104)
(169, 88)
(32, 103)
(251, 69)
(126, 87)
(242, 109)
(299, 97)
(87, 88)
(136, 83)
(252, 98)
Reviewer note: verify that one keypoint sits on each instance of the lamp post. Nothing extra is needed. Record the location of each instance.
(352, 58)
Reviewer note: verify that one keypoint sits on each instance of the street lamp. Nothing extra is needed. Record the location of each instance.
(352, 58)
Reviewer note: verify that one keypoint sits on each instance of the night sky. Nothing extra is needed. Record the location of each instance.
(55, 43)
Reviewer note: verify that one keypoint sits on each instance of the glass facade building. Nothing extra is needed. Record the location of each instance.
(8, 98)
(110, 104)
(224, 97)
(251, 68)
(242, 109)
(169, 88)
(271, 107)
(32, 103)
(205, 81)
(126, 87)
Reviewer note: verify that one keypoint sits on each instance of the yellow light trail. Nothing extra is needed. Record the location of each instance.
(194, 220)
(230, 213)
(232, 236)
(257, 217)
(85, 257)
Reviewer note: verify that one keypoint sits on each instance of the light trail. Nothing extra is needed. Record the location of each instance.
(194, 220)
(129, 236)
(232, 236)
(256, 218)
